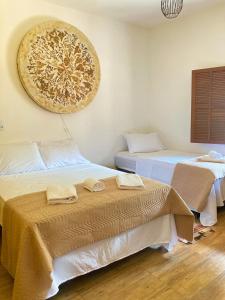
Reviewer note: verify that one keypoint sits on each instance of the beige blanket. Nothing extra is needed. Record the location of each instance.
(193, 184)
(35, 233)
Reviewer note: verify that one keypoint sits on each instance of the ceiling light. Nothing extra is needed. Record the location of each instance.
(171, 8)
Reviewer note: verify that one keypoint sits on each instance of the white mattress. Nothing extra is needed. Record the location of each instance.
(161, 231)
(128, 161)
(160, 166)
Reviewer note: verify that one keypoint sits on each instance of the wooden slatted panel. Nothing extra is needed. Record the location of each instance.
(208, 106)
(217, 118)
(201, 89)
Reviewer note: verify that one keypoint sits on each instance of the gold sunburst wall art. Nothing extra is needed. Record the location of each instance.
(58, 67)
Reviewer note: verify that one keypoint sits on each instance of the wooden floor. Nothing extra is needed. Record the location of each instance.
(194, 272)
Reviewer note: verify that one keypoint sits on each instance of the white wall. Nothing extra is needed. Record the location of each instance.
(121, 99)
(175, 48)
(146, 78)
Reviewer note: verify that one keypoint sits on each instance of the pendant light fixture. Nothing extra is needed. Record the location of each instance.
(171, 8)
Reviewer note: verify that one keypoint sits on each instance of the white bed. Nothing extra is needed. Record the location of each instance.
(160, 231)
(160, 166)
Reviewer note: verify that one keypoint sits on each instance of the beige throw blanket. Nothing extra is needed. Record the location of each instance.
(193, 184)
(35, 233)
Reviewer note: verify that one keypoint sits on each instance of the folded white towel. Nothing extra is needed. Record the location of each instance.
(207, 158)
(93, 185)
(61, 194)
(215, 155)
(129, 181)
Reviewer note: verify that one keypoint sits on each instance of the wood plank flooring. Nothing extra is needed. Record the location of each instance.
(195, 272)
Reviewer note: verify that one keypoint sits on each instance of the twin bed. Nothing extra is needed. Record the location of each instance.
(160, 165)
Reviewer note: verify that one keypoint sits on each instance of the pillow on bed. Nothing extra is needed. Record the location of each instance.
(61, 153)
(143, 142)
(20, 158)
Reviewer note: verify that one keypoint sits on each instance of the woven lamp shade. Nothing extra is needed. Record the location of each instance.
(171, 8)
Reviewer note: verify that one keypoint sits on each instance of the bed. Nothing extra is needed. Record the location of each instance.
(160, 165)
(24, 172)
(159, 232)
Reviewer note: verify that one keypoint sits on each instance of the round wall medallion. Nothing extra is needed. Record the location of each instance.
(58, 67)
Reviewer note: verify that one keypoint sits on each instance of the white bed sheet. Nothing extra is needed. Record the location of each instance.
(129, 161)
(160, 166)
(19, 184)
(161, 231)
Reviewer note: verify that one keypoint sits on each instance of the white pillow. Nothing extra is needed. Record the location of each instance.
(20, 158)
(61, 153)
(143, 142)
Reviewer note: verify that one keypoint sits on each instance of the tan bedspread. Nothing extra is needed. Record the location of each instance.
(193, 184)
(34, 233)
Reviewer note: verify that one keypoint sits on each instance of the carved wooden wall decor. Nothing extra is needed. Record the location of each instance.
(58, 67)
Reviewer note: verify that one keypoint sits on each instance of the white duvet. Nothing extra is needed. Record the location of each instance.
(19, 184)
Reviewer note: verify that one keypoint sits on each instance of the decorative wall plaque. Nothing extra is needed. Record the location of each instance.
(58, 67)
